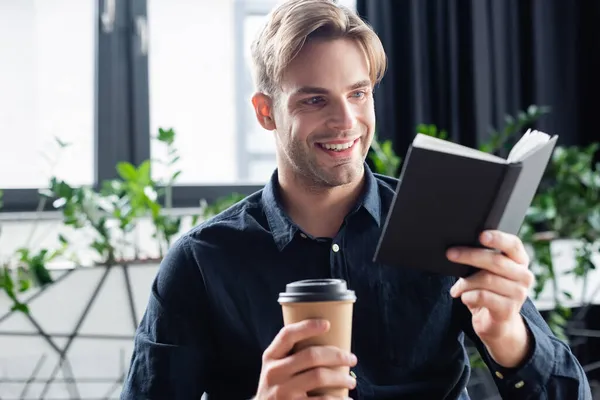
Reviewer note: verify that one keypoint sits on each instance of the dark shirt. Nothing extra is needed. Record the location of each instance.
(213, 310)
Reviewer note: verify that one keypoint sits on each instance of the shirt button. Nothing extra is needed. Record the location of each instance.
(519, 384)
(499, 375)
(303, 236)
(335, 248)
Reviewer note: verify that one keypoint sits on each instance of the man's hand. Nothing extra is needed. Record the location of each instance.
(285, 376)
(496, 294)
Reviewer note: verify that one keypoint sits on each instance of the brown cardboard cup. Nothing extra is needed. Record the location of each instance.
(327, 299)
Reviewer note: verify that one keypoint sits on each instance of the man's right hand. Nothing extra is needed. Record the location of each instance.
(285, 376)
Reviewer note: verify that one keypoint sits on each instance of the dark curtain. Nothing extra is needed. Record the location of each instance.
(465, 64)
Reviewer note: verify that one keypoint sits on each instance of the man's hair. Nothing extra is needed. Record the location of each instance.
(295, 22)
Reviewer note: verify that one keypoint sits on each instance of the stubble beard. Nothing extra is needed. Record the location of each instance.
(316, 177)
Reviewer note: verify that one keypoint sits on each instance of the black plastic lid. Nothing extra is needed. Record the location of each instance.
(312, 290)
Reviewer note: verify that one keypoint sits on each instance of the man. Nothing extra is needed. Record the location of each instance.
(213, 323)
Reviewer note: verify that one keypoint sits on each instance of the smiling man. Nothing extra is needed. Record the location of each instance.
(213, 323)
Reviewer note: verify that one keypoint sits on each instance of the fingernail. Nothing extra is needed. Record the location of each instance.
(453, 291)
(353, 358)
(453, 254)
(321, 323)
(456, 287)
(486, 237)
(351, 382)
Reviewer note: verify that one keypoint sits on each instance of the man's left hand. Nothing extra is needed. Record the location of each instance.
(496, 294)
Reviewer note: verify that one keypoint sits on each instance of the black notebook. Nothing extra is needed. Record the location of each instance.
(449, 193)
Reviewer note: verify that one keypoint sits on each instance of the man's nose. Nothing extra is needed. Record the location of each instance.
(343, 117)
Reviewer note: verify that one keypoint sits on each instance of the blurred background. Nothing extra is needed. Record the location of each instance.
(126, 122)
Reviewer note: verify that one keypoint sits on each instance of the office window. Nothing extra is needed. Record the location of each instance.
(46, 90)
(192, 86)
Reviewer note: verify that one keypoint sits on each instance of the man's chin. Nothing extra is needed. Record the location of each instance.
(341, 175)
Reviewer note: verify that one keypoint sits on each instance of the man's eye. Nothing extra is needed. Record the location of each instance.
(360, 94)
(314, 100)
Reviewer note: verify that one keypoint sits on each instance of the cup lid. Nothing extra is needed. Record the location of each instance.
(312, 290)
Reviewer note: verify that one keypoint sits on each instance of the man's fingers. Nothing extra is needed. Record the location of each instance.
(492, 261)
(484, 280)
(508, 244)
(499, 307)
(319, 378)
(312, 357)
(291, 334)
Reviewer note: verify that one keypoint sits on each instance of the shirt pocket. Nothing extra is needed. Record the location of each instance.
(416, 315)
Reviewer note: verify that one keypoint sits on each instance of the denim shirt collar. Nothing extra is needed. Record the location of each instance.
(284, 229)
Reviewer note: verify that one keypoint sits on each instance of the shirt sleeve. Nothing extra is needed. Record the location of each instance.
(171, 357)
(550, 371)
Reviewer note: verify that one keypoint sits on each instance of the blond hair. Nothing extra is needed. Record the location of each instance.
(293, 23)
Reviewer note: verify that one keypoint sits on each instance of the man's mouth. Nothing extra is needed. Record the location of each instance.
(338, 146)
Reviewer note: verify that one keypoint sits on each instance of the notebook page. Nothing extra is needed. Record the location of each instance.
(530, 141)
(445, 146)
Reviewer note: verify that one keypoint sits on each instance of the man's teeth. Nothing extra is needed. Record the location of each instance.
(337, 147)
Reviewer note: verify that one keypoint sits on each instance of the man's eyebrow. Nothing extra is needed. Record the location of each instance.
(320, 90)
(360, 84)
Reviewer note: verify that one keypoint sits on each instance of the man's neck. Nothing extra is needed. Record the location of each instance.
(318, 211)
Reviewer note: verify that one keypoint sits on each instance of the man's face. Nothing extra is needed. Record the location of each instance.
(324, 114)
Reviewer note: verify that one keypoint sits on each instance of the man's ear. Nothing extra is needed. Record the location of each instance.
(263, 107)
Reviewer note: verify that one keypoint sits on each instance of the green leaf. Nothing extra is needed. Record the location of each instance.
(18, 306)
(174, 160)
(387, 147)
(127, 171)
(7, 281)
(23, 279)
(23, 254)
(61, 189)
(60, 143)
(166, 135)
(567, 295)
(62, 239)
(41, 274)
(100, 247)
(175, 176)
(422, 128)
(144, 172)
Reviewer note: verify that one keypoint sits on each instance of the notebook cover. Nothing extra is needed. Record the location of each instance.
(441, 200)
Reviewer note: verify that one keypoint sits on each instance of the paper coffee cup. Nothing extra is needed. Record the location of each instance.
(327, 299)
